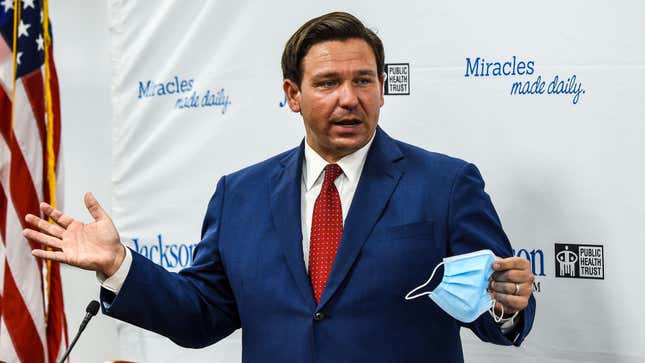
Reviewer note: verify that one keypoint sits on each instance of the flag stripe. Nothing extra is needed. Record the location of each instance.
(56, 325)
(3, 255)
(3, 261)
(6, 66)
(25, 132)
(4, 163)
(22, 190)
(32, 83)
(7, 352)
(3, 215)
(20, 325)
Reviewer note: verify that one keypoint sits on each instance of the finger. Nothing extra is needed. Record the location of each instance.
(51, 229)
(94, 207)
(511, 303)
(512, 276)
(46, 208)
(42, 238)
(508, 288)
(56, 256)
(511, 263)
(56, 215)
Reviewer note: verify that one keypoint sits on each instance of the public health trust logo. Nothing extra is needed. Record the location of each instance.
(579, 261)
(397, 79)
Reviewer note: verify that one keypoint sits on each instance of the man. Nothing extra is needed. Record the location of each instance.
(311, 252)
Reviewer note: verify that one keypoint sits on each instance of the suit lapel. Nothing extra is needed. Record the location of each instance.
(378, 180)
(285, 211)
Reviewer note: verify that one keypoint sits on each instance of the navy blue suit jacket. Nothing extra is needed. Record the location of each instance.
(411, 208)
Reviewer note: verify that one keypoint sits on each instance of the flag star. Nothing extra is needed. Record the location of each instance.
(22, 29)
(40, 41)
(18, 57)
(28, 3)
(8, 4)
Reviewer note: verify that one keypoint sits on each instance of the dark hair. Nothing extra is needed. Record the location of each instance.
(332, 26)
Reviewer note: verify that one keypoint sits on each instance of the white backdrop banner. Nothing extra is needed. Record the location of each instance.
(545, 99)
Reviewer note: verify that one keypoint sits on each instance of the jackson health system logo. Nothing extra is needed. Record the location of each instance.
(183, 94)
(170, 255)
(567, 85)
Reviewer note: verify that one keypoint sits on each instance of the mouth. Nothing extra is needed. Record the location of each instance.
(347, 123)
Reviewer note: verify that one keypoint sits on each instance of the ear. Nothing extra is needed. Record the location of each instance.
(381, 81)
(292, 91)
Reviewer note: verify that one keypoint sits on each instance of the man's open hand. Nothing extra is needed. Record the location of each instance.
(92, 246)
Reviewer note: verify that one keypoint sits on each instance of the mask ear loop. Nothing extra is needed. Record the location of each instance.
(501, 317)
(492, 311)
(408, 297)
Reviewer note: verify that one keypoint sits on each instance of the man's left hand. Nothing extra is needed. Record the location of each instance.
(511, 284)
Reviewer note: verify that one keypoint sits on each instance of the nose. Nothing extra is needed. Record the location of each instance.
(347, 97)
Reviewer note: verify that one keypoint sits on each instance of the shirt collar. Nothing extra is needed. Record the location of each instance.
(351, 164)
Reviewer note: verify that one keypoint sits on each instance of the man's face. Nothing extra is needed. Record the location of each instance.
(340, 96)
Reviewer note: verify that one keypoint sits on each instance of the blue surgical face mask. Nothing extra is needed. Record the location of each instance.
(462, 292)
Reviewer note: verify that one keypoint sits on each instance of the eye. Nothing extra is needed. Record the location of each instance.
(328, 83)
(363, 81)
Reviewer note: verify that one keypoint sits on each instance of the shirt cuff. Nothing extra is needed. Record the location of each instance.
(506, 325)
(115, 282)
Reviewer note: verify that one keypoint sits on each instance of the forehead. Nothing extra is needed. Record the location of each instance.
(338, 56)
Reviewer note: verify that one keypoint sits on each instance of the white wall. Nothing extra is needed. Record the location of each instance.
(81, 46)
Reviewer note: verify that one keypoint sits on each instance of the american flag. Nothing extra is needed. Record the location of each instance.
(33, 327)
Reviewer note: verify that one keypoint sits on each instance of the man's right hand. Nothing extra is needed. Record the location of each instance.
(91, 246)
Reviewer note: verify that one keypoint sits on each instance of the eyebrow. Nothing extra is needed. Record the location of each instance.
(366, 72)
(362, 72)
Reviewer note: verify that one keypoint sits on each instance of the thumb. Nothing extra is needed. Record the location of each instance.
(94, 207)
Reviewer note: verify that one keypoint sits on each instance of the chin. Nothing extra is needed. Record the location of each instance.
(349, 146)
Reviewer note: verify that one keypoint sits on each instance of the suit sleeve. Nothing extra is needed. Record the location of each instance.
(474, 225)
(195, 307)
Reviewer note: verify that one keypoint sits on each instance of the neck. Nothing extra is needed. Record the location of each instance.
(329, 156)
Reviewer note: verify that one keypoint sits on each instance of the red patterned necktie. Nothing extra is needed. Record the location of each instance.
(326, 231)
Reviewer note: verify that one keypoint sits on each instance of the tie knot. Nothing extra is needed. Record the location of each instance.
(332, 171)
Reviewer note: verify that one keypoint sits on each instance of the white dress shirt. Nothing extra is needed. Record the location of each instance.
(313, 175)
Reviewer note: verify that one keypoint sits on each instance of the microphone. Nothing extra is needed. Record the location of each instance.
(91, 310)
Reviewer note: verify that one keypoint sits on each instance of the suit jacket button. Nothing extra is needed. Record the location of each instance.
(319, 316)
